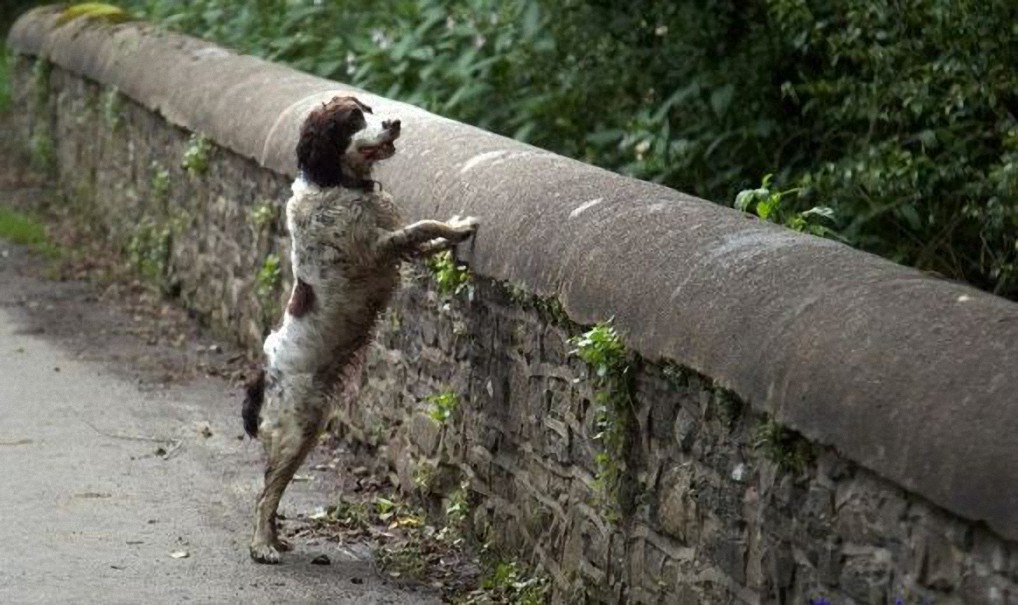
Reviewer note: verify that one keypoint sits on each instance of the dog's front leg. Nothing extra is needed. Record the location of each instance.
(414, 239)
(434, 246)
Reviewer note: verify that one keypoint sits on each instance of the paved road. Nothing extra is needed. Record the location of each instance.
(90, 512)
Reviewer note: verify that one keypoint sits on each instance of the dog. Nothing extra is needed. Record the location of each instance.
(347, 243)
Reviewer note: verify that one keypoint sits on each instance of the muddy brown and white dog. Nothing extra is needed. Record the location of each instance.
(347, 242)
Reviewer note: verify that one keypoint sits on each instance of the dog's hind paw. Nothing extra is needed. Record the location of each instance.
(265, 553)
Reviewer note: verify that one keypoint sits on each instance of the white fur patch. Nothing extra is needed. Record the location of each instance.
(371, 135)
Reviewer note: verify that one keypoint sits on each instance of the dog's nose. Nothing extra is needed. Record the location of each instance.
(390, 124)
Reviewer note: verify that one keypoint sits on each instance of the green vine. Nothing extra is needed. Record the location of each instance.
(270, 277)
(160, 182)
(443, 405)
(451, 278)
(40, 84)
(603, 351)
(43, 151)
(149, 250)
(113, 108)
(263, 215)
(197, 155)
(267, 284)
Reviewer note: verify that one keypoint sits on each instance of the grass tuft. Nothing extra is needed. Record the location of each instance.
(23, 230)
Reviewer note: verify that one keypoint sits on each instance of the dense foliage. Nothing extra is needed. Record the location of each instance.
(897, 116)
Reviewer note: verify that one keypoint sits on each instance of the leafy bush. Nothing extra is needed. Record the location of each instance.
(898, 116)
(913, 139)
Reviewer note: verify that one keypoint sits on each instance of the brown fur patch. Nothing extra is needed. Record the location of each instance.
(302, 300)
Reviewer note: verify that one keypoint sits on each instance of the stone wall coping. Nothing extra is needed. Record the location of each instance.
(913, 377)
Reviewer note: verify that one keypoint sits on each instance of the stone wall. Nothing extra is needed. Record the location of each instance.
(202, 233)
(715, 499)
(714, 511)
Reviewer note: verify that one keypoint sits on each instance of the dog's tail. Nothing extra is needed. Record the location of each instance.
(255, 396)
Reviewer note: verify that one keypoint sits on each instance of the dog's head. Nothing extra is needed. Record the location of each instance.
(341, 140)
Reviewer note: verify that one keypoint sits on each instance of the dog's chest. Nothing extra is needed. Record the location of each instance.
(337, 231)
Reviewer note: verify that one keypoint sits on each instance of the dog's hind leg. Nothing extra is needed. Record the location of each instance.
(289, 449)
(287, 444)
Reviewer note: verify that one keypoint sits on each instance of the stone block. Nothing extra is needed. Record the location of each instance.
(678, 515)
(685, 429)
(426, 433)
(865, 576)
(937, 561)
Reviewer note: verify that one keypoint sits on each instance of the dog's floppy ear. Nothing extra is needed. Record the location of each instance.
(324, 137)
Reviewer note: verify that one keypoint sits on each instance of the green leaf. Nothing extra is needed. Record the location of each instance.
(721, 99)
(766, 206)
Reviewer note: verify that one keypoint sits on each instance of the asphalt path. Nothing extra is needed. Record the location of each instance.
(115, 492)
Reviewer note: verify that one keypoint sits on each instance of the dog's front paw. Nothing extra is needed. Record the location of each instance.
(464, 223)
(264, 553)
(463, 226)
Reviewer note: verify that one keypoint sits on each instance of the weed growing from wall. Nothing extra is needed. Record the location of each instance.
(43, 151)
(113, 109)
(197, 155)
(506, 581)
(160, 182)
(41, 145)
(149, 251)
(451, 278)
(269, 276)
(783, 446)
(728, 405)
(267, 284)
(424, 476)
(443, 405)
(40, 85)
(606, 356)
(457, 507)
(263, 215)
